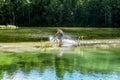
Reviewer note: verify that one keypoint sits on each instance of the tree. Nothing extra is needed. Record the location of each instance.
(60, 12)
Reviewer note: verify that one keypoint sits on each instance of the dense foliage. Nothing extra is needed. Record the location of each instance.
(104, 13)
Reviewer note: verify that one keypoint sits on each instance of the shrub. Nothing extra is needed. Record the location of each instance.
(8, 27)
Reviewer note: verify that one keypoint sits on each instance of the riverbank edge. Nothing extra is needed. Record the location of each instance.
(49, 44)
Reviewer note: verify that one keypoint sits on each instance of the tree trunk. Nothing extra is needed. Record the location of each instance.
(29, 16)
(61, 14)
(108, 16)
(13, 16)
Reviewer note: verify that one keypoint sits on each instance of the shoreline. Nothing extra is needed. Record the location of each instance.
(19, 47)
(103, 41)
(48, 44)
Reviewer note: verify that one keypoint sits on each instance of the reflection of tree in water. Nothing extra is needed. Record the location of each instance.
(60, 68)
(70, 65)
(1, 74)
(66, 63)
(10, 69)
(27, 66)
(98, 61)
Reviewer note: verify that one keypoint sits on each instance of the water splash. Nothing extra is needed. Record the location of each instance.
(66, 42)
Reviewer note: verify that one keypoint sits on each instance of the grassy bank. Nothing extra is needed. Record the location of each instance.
(41, 34)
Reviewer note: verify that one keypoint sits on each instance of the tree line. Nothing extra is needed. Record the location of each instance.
(88, 13)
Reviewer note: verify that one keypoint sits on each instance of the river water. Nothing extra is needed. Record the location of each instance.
(85, 62)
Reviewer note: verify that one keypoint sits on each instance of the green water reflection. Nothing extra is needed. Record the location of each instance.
(84, 60)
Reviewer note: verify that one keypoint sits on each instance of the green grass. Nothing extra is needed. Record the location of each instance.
(35, 34)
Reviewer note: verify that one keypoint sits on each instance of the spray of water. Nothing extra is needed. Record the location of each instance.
(67, 42)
